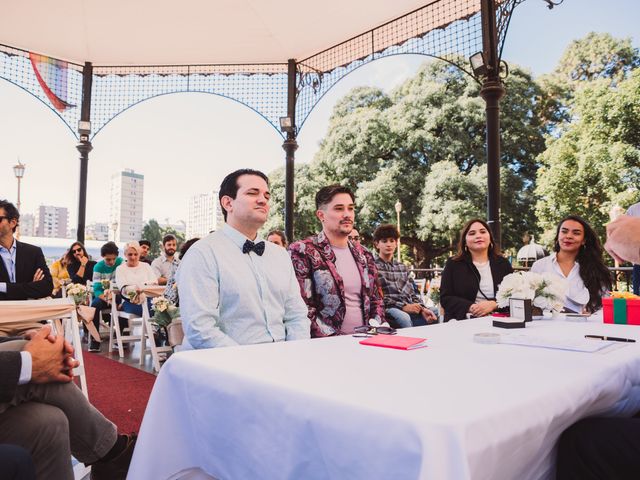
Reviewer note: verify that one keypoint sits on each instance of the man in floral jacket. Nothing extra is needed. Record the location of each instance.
(338, 278)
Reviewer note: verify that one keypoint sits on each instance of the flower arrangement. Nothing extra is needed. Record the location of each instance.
(546, 290)
(164, 311)
(78, 293)
(106, 284)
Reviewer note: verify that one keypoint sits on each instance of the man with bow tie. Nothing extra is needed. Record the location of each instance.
(235, 288)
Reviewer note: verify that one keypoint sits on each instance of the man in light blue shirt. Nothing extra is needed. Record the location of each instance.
(237, 289)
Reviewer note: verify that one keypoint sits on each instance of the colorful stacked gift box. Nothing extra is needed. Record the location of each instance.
(622, 308)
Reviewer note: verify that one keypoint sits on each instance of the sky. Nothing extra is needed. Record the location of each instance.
(186, 143)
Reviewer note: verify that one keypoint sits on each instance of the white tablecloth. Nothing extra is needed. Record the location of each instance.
(331, 408)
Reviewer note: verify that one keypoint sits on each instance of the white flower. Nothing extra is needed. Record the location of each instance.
(546, 290)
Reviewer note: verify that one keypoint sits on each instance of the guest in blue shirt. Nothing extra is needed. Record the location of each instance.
(235, 288)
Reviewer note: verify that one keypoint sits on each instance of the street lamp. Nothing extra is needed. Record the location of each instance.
(398, 210)
(18, 171)
(114, 226)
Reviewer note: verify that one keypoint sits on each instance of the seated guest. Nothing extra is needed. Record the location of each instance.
(354, 236)
(59, 274)
(277, 237)
(145, 246)
(132, 276)
(578, 260)
(604, 447)
(235, 288)
(338, 278)
(164, 263)
(23, 270)
(104, 272)
(171, 292)
(79, 265)
(402, 305)
(471, 278)
(44, 412)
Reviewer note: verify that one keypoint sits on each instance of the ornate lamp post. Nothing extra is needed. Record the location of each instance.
(18, 171)
(398, 210)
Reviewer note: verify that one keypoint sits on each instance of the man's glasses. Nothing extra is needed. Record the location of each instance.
(355, 238)
(368, 331)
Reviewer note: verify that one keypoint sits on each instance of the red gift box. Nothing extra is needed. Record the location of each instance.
(623, 311)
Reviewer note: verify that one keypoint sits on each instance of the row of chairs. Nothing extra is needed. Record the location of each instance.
(139, 329)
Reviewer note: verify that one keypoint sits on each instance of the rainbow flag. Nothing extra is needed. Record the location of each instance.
(52, 76)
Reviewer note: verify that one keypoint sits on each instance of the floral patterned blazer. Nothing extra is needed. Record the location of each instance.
(322, 287)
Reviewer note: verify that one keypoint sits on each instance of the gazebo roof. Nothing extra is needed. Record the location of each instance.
(162, 32)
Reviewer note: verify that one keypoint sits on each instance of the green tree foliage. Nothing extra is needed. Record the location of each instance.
(598, 56)
(385, 146)
(595, 164)
(153, 232)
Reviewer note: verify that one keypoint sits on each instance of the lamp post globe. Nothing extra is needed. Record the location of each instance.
(18, 171)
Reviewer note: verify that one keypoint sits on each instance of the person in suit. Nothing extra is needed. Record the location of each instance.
(471, 278)
(44, 412)
(23, 272)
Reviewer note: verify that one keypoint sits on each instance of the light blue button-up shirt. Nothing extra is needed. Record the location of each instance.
(231, 298)
(9, 259)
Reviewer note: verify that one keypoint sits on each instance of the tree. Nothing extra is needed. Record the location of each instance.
(595, 164)
(384, 147)
(598, 56)
(153, 232)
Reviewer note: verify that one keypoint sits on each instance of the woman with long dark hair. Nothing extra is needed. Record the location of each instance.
(471, 278)
(578, 260)
(79, 264)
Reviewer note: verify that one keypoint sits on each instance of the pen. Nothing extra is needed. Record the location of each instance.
(613, 339)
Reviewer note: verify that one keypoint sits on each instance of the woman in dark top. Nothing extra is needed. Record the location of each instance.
(79, 265)
(471, 278)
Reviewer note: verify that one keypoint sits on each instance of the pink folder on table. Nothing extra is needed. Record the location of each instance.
(395, 341)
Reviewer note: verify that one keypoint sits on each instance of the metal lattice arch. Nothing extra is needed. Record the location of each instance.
(272, 57)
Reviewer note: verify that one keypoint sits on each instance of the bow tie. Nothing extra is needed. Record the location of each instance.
(256, 247)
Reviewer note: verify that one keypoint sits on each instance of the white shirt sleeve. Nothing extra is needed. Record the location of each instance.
(26, 368)
(199, 290)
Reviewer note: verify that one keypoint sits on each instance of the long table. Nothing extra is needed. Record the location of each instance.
(331, 408)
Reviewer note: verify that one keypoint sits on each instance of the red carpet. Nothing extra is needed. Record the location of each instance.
(120, 392)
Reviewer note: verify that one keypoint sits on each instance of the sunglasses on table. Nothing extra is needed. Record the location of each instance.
(368, 331)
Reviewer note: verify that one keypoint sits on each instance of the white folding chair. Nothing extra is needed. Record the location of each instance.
(116, 335)
(158, 354)
(65, 324)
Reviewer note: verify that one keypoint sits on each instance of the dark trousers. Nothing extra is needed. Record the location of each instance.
(636, 279)
(16, 463)
(600, 448)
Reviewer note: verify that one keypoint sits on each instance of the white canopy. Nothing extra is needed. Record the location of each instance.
(162, 32)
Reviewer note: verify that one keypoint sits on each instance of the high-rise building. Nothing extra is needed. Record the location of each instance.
(51, 221)
(27, 225)
(205, 215)
(125, 217)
